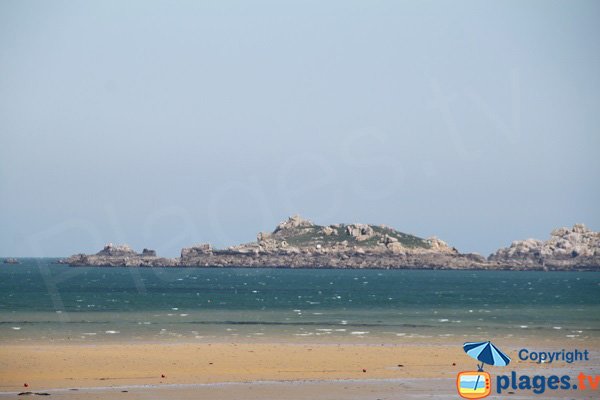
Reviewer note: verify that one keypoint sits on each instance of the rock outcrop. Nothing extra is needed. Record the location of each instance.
(120, 256)
(111, 250)
(360, 232)
(293, 222)
(189, 253)
(439, 245)
(299, 243)
(568, 248)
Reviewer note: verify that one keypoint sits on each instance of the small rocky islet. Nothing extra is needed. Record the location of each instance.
(299, 243)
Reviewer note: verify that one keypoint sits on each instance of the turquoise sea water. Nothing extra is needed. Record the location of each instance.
(43, 301)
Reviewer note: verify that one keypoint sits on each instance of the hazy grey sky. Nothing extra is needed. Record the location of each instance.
(162, 124)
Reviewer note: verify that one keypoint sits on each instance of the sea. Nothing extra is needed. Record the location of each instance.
(41, 301)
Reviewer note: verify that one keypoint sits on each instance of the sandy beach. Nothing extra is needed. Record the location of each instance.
(75, 366)
(405, 369)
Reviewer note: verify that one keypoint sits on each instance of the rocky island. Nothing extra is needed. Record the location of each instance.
(120, 256)
(568, 248)
(299, 243)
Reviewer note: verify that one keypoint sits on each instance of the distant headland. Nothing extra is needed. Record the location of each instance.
(299, 243)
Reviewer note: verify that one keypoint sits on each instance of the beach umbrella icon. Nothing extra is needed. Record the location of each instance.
(487, 353)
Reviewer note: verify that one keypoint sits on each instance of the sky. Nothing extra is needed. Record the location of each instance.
(162, 124)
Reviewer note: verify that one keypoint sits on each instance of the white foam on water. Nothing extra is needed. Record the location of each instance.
(358, 333)
(112, 332)
(16, 328)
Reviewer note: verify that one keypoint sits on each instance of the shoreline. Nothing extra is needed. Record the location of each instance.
(352, 389)
(508, 268)
(491, 267)
(225, 383)
(300, 389)
(171, 386)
